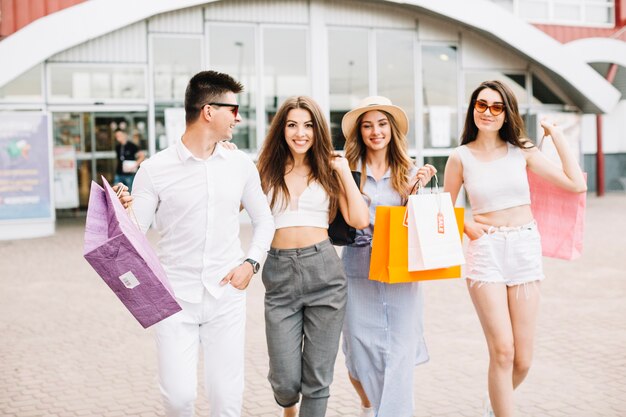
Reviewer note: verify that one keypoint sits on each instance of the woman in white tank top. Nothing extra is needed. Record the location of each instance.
(504, 252)
(305, 297)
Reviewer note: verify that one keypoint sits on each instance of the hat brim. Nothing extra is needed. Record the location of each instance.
(348, 123)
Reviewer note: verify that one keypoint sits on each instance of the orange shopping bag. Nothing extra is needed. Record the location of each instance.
(390, 255)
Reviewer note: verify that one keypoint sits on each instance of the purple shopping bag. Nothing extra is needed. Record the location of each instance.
(121, 254)
(560, 217)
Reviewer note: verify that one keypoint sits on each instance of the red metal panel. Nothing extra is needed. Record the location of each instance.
(620, 13)
(37, 9)
(15, 14)
(54, 5)
(22, 14)
(566, 34)
(7, 17)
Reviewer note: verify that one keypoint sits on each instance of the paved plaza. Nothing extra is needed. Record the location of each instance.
(69, 348)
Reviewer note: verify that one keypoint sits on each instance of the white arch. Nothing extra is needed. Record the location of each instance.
(49, 35)
(69, 27)
(599, 50)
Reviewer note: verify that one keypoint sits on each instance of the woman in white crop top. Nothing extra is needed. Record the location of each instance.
(504, 251)
(305, 297)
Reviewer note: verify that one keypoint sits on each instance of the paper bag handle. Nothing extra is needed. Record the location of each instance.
(129, 210)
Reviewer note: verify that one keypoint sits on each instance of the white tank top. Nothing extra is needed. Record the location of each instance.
(495, 185)
(310, 209)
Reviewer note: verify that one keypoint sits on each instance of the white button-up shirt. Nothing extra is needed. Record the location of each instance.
(194, 204)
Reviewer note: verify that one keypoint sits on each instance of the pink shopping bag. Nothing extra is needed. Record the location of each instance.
(560, 217)
(121, 254)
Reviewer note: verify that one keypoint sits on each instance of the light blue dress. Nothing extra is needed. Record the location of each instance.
(383, 329)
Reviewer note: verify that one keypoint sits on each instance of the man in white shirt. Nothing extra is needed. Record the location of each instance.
(193, 191)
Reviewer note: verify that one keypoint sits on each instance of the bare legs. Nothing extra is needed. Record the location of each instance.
(508, 318)
(365, 402)
(290, 411)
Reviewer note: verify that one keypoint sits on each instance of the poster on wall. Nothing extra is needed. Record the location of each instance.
(24, 167)
(65, 177)
(440, 129)
(174, 124)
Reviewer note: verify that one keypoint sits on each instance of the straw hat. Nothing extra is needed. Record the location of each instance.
(374, 103)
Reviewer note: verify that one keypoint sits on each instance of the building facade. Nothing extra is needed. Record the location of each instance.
(125, 64)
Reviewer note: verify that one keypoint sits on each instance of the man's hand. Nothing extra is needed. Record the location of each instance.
(122, 193)
(239, 277)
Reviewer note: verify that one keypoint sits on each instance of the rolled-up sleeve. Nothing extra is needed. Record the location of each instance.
(255, 203)
(145, 199)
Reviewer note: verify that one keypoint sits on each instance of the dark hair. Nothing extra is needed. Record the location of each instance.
(119, 130)
(275, 155)
(512, 130)
(205, 87)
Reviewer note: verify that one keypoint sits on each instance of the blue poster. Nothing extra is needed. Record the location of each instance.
(24, 166)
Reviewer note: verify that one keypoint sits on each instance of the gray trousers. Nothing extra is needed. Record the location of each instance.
(305, 300)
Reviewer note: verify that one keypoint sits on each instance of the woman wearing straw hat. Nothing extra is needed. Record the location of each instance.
(305, 285)
(383, 332)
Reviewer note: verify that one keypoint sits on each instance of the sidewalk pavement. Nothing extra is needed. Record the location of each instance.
(69, 348)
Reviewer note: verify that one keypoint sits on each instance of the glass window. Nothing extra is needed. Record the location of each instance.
(72, 129)
(176, 60)
(439, 78)
(395, 72)
(567, 11)
(542, 94)
(507, 4)
(101, 82)
(534, 9)
(590, 12)
(26, 87)
(439, 162)
(600, 12)
(231, 50)
(285, 69)
(517, 82)
(348, 75)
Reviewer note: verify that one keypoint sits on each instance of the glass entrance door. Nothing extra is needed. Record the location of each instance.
(92, 136)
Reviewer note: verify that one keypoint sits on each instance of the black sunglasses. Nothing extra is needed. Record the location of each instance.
(234, 107)
(482, 106)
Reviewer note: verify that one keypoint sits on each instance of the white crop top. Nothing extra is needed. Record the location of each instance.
(495, 185)
(310, 209)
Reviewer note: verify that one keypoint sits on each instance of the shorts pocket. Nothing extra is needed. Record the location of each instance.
(479, 257)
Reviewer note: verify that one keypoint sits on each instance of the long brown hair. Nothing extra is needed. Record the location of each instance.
(397, 155)
(512, 130)
(275, 155)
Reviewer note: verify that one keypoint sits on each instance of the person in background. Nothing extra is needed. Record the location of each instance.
(128, 159)
(306, 185)
(383, 332)
(504, 252)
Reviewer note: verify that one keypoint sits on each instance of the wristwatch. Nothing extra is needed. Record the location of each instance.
(255, 265)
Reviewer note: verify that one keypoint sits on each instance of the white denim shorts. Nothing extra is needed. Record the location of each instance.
(506, 255)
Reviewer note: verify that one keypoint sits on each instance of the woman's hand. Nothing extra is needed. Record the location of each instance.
(474, 230)
(424, 175)
(568, 176)
(551, 129)
(339, 164)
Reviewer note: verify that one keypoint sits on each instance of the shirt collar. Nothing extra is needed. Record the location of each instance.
(369, 173)
(185, 154)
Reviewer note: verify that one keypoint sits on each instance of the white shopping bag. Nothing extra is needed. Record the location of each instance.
(434, 240)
